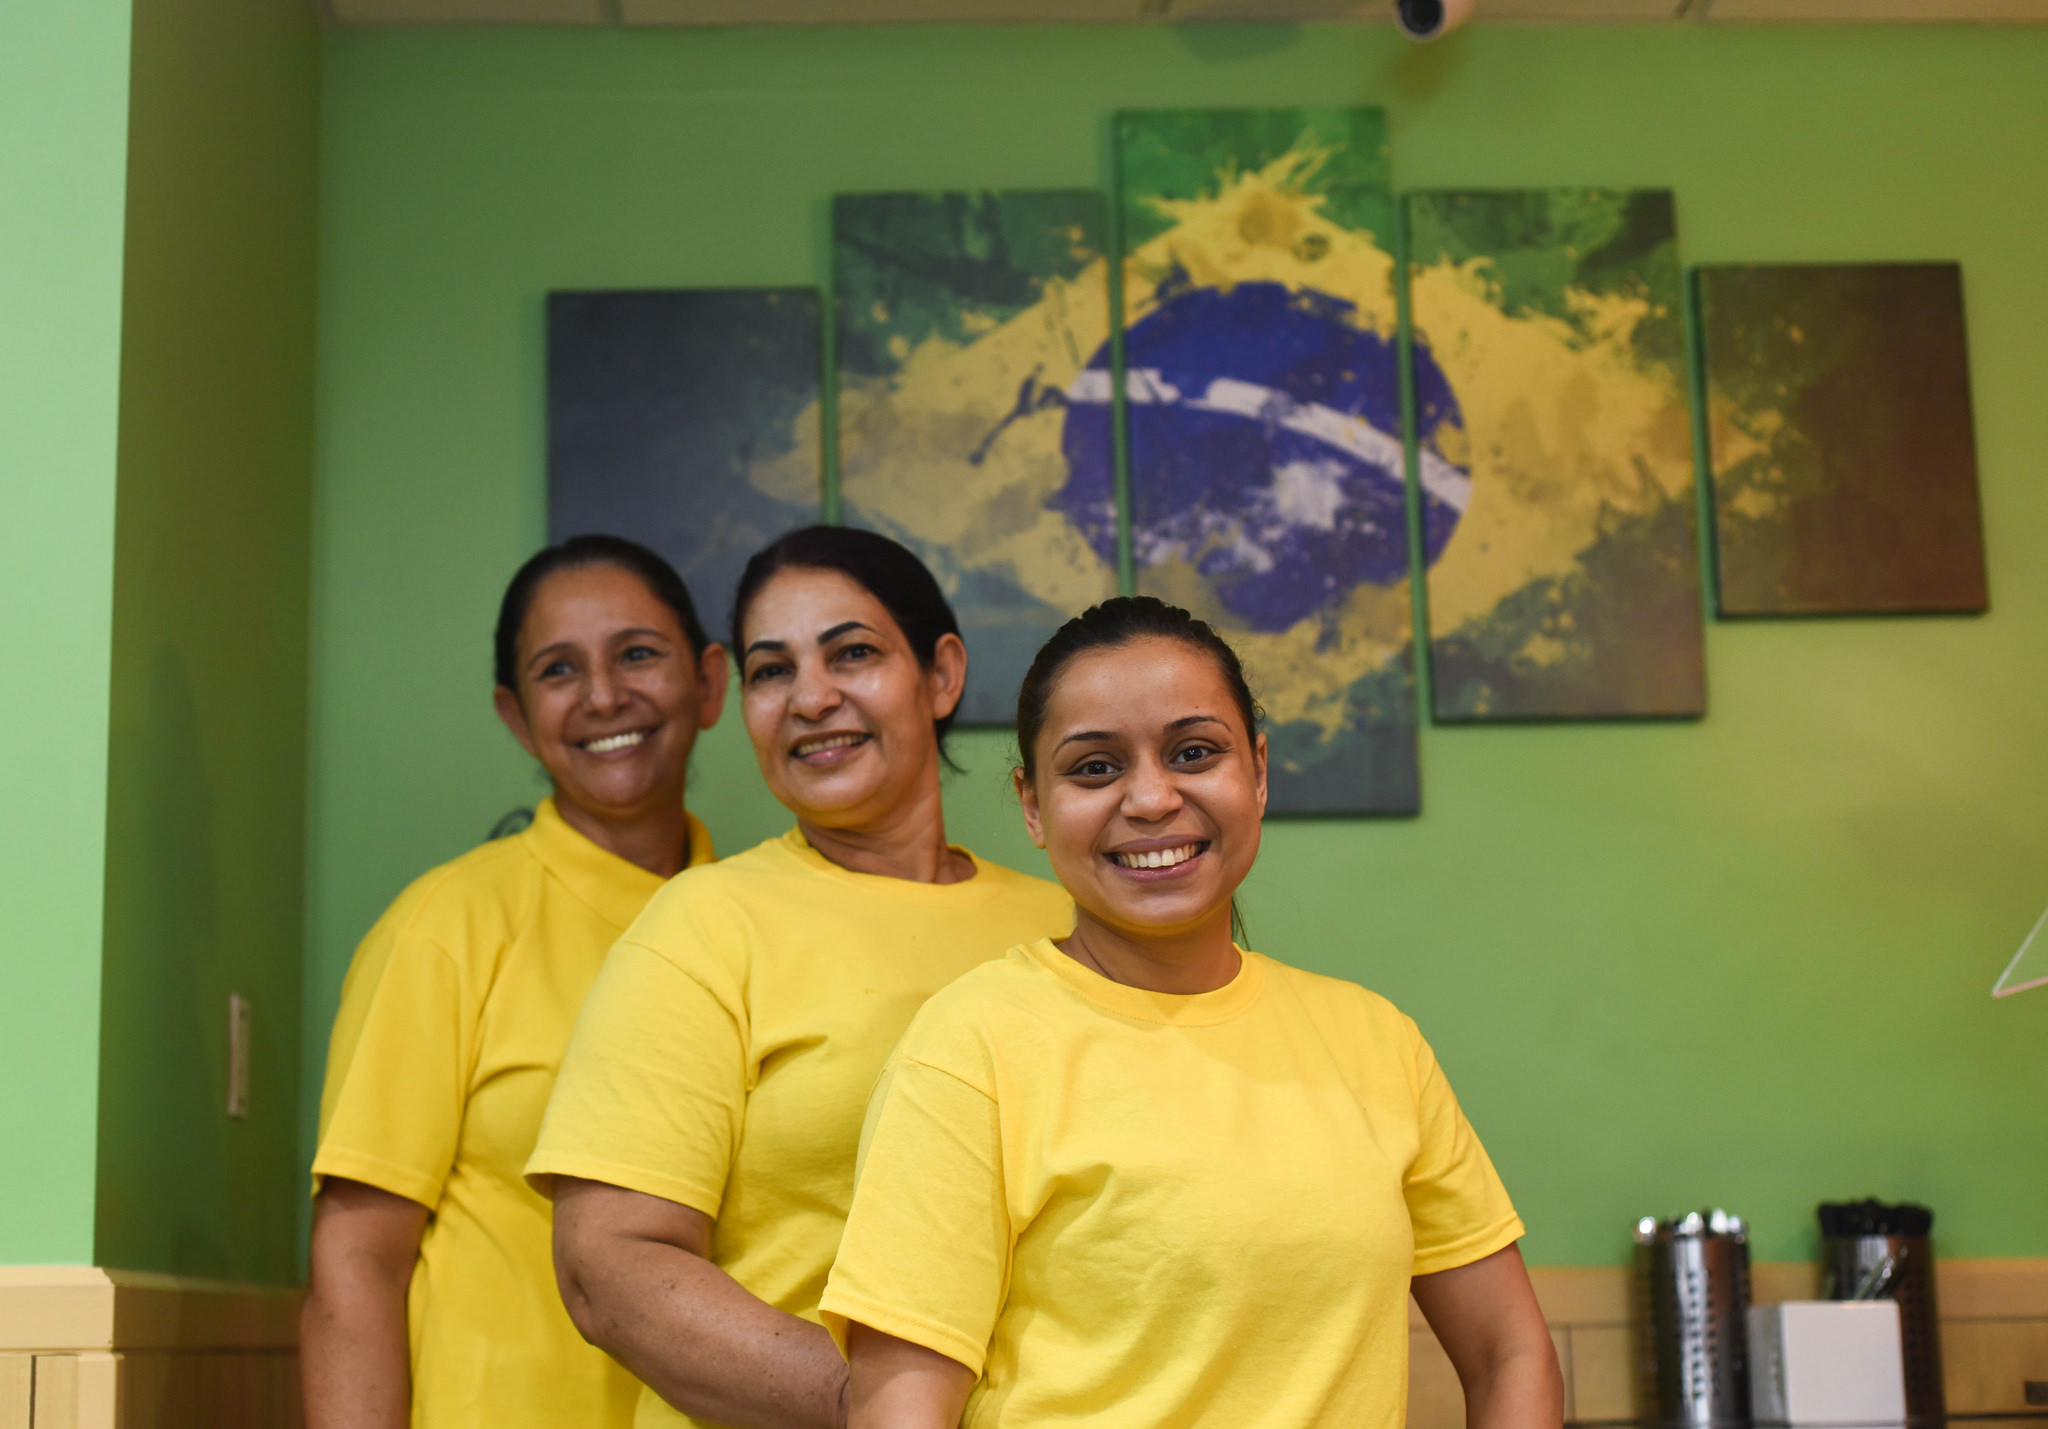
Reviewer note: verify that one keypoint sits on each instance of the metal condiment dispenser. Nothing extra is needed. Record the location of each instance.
(1693, 1282)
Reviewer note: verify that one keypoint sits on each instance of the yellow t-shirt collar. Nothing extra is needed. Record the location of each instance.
(1198, 1009)
(615, 888)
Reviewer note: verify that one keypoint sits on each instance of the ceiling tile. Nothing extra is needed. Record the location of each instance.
(851, 12)
(1879, 11)
(1575, 10)
(467, 12)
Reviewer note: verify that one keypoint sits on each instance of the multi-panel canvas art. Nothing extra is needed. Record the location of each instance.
(966, 325)
(1262, 387)
(1844, 466)
(1551, 378)
(686, 420)
(1286, 474)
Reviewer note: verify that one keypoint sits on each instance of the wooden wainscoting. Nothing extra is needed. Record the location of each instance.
(84, 1348)
(1994, 1338)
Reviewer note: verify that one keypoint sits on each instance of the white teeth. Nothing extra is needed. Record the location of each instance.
(615, 741)
(1158, 858)
(834, 741)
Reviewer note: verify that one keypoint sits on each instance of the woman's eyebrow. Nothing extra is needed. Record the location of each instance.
(1086, 734)
(841, 628)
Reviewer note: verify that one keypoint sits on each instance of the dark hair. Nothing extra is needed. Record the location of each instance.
(889, 572)
(1116, 622)
(580, 553)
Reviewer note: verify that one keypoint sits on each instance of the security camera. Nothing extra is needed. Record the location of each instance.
(1426, 19)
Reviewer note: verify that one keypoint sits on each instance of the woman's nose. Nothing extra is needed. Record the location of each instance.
(1150, 793)
(605, 693)
(813, 695)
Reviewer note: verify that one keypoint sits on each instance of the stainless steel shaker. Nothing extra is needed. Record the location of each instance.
(1693, 1284)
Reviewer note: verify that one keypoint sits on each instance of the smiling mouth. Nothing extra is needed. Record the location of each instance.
(613, 743)
(1160, 857)
(805, 748)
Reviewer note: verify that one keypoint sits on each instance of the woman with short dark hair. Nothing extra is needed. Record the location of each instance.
(1142, 1175)
(700, 1142)
(432, 1301)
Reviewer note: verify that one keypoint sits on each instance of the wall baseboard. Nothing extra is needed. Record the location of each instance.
(86, 1348)
(1994, 1338)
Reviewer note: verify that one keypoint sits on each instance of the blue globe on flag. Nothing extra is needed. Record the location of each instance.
(1265, 450)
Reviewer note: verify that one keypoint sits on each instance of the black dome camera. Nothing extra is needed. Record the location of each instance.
(1426, 19)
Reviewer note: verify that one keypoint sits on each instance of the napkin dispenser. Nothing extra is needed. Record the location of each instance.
(1826, 1362)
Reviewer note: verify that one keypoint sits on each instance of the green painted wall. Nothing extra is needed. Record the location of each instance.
(1742, 961)
(207, 765)
(63, 140)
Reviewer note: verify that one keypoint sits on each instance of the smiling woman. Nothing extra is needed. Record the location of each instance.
(1142, 1175)
(700, 1143)
(432, 1301)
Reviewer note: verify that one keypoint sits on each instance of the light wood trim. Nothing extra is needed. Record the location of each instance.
(76, 1391)
(53, 1308)
(168, 1312)
(1992, 1289)
(17, 1385)
(56, 1307)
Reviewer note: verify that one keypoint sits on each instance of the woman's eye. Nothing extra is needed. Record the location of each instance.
(1094, 769)
(855, 652)
(1193, 753)
(556, 670)
(767, 670)
(635, 654)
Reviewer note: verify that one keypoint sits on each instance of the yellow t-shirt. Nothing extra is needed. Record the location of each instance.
(1121, 1207)
(724, 1058)
(453, 1019)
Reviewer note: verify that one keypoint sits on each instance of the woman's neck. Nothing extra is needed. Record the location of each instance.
(907, 842)
(657, 839)
(1197, 959)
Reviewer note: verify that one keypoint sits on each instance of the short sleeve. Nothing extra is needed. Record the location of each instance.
(397, 1068)
(1456, 1202)
(926, 1252)
(653, 1086)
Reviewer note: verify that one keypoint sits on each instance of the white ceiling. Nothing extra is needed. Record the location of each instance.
(815, 12)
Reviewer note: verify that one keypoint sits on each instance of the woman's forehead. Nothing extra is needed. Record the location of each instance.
(799, 603)
(599, 595)
(1147, 683)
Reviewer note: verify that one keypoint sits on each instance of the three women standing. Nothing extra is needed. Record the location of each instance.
(432, 1299)
(700, 1142)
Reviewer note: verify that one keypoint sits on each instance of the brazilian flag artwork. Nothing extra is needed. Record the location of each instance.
(1262, 396)
(964, 319)
(687, 420)
(1844, 459)
(1556, 391)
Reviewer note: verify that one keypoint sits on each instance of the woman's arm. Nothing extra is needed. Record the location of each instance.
(898, 1385)
(636, 1275)
(355, 1359)
(1485, 1315)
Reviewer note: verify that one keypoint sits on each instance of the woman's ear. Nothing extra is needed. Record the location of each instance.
(514, 715)
(713, 678)
(1027, 800)
(948, 675)
(1259, 770)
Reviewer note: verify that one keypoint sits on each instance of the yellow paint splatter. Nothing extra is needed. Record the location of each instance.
(905, 447)
(1563, 428)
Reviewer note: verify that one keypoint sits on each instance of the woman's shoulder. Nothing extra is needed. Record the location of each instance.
(489, 884)
(1002, 1008)
(1039, 896)
(1340, 998)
